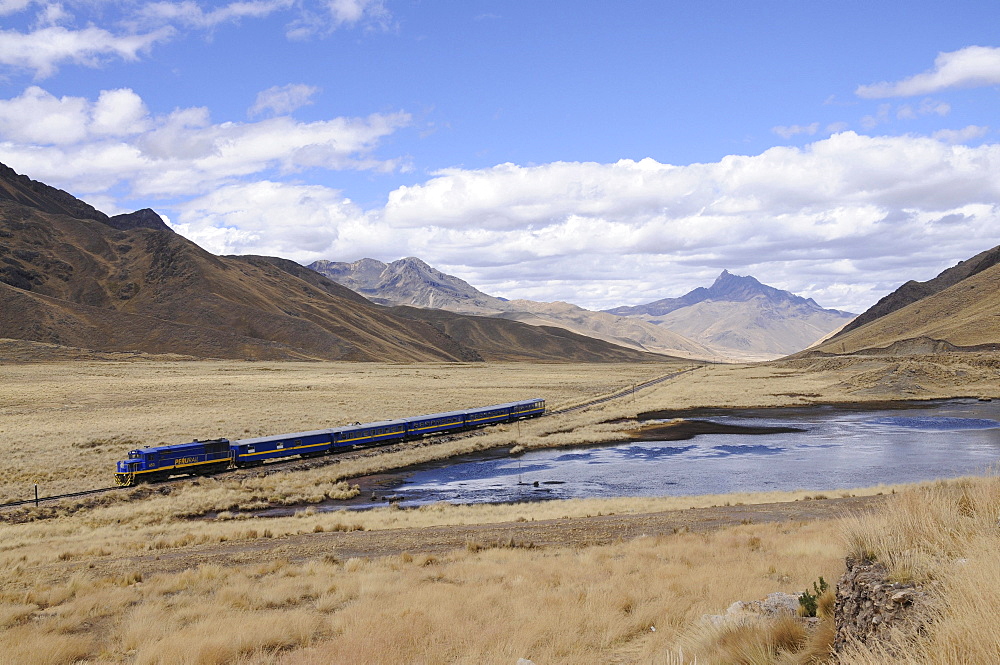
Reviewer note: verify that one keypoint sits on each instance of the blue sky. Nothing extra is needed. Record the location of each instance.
(598, 153)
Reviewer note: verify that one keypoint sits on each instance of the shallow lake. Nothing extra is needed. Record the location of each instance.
(836, 448)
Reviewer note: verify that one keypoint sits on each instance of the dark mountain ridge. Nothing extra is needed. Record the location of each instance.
(72, 276)
(912, 291)
(957, 311)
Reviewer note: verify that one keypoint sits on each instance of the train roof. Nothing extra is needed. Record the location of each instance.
(507, 404)
(282, 437)
(443, 414)
(178, 446)
(380, 423)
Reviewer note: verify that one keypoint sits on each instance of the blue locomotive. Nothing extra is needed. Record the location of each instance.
(207, 457)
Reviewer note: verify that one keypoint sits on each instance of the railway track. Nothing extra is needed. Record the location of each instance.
(627, 392)
(273, 467)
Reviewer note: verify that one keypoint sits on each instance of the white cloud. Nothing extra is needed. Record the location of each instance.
(335, 14)
(91, 147)
(872, 212)
(46, 49)
(973, 66)
(191, 14)
(876, 119)
(135, 28)
(301, 222)
(8, 7)
(283, 99)
(843, 220)
(119, 113)
(39, 117)
(789, 131)
(964, 135)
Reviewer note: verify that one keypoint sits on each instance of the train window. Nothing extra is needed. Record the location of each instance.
(298, 442)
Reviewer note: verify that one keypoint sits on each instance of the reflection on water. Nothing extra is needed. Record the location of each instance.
(838, 449)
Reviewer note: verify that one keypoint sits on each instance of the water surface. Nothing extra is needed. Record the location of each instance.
(838, 448)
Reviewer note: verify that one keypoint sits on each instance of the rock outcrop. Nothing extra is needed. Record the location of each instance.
(870, 608)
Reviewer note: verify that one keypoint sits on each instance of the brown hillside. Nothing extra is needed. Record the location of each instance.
(74, 277)
(913, 291)
(963, 316)
(79, 282)
(502, 340)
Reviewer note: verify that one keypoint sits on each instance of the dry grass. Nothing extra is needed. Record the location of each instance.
(484, 604)
(72, 421)
(944, 535)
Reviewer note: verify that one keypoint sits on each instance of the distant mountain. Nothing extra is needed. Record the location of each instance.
(740, 317)
(74, 277)
(411, 282)
(957, 310)
(727, 287)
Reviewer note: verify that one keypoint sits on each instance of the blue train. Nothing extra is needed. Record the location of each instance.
(206, 457)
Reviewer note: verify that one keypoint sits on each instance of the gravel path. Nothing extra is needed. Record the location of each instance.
(577, 532)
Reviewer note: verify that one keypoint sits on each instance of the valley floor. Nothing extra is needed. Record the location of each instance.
(176, 574)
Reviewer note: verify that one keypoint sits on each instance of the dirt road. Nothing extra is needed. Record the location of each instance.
(573, 532)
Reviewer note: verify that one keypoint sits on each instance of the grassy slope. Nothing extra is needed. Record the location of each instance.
(966, 314)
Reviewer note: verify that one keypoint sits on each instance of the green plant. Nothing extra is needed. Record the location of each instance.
(807, 601)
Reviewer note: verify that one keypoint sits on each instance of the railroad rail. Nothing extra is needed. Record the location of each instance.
(626, 392)
(620, 394)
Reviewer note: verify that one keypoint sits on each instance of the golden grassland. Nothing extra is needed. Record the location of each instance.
(641, 601)
(67, 594)
(67, 423)
(478, 605)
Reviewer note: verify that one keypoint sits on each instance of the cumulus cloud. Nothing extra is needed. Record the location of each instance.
(44, 50)
(973, 66)
(93, 146)
(867, 211)
(283, 99)
(843, 220)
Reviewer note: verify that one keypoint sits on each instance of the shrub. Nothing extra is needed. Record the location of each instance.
(808, 601)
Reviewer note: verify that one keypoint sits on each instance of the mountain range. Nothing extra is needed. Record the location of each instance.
(73, 276)
(736, 318)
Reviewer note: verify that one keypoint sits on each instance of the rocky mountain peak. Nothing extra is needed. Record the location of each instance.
(738, 288)
(140, 219)
(25, 191)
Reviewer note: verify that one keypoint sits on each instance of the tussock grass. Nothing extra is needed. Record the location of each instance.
(944, 535)
(489, 602)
